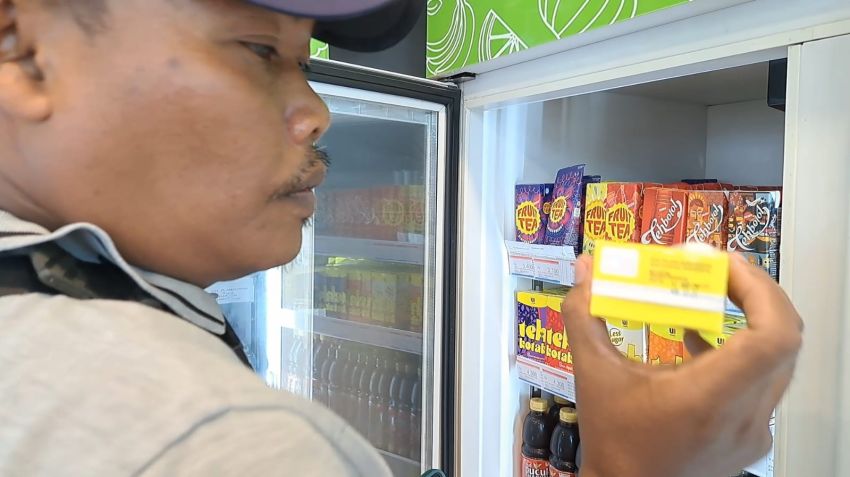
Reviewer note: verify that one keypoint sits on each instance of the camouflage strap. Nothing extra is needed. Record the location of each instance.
(50, 270)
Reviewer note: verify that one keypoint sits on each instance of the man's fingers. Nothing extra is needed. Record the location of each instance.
(763, 301)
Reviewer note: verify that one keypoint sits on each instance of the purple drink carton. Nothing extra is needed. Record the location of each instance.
(565, 214)
(532, 211)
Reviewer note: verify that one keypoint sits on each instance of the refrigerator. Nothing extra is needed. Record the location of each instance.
(363, 320)
(632, 104)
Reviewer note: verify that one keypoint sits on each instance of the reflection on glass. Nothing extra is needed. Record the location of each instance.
(343, 324)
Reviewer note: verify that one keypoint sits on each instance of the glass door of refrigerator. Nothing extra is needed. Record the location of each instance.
(353, 322)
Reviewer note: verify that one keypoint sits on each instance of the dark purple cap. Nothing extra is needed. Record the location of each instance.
(359, 25)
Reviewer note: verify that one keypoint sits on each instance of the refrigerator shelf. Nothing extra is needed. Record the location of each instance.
(401, 466)
(548, 263)
(380, 336)
(546, 378)
(377, 250)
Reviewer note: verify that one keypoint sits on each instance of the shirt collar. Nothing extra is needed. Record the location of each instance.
(90, 243)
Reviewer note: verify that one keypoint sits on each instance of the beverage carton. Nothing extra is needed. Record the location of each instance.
(540, 330)
(664, 219)
(565, 213)
(629, 337)
(594, 215)
(707, 218)
(657, 285)
(667, 345)
(622, 212)
(530, 214)
(754, 228)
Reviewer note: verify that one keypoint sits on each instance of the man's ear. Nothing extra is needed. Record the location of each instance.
(22, 92)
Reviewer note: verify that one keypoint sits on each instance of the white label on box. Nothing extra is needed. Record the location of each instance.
(619, 262)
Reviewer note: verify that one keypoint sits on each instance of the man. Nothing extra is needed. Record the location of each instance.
(184, 131)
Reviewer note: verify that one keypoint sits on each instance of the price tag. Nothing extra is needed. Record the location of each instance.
(543, 262)
(528, 373)
(550, 270)
(563, 385)
(522, 266)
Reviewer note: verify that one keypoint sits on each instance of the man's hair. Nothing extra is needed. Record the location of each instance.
(90, 15)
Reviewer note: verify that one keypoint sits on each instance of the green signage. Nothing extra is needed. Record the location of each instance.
(318, 49)
(465, 32)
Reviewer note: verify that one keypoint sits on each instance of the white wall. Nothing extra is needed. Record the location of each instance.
(745, 143)
(620, 137)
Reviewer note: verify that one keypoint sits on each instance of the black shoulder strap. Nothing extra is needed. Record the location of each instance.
(50, 270)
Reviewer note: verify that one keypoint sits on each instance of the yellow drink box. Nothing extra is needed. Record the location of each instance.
(629, 337)
(656, 285)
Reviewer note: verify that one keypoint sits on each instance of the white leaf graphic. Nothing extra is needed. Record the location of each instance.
(444, 53)
(559, 16)
(497, 38)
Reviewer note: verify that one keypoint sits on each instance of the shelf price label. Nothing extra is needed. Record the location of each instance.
(542, 262)
(562, 385)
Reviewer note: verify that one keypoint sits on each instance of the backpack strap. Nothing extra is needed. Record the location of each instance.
(50, 270)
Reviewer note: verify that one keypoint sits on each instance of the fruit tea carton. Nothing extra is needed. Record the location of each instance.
(530, 215)
(629, 337)
(540, 330)
(622, 211)
(754, 228)
(665, 217)
(594, 215)
(565, 213)
(707, 218)
(588, 179)
(667, 345)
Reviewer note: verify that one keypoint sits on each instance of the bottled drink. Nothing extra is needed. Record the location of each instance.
(378, 390)
(363, 379)
(401, 424)
(319, 358)
(535, 440)
(394, 419)
(294, 367)
(564, 445)
(325, 375)
(416, 416)
(555, 411)
(352, 380)
(336, 396)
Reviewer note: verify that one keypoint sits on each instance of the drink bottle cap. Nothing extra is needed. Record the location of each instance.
(561, 401)
(568, 415)
(538, 404)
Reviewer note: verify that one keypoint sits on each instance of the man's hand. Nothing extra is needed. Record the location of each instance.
(708, 417)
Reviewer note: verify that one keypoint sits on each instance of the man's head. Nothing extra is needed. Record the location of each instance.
(185, 128)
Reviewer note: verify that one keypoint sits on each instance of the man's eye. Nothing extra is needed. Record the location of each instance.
(266, 52)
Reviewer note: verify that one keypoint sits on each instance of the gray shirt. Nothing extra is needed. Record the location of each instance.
(103, 387)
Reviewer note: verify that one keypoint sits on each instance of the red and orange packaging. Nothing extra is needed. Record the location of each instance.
(707, 218)
(613, 213)
(622, 215)
(664, 217)
(667, 345)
